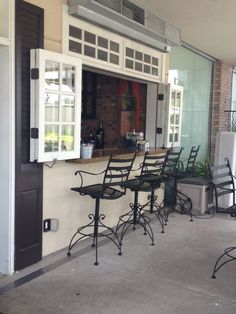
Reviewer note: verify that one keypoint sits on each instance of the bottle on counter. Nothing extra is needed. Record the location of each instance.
(100, 136)
(91, 138)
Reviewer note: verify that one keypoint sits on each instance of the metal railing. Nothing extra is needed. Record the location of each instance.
(232, 120)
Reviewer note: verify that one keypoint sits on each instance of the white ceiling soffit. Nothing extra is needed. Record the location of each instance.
(128, 19)
(208, 25)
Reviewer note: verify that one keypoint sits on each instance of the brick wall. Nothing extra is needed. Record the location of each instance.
(221, 100)
(108, 111)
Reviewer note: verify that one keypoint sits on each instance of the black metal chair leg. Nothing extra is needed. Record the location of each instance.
(135, 217)
(226, 253)
(97, 204)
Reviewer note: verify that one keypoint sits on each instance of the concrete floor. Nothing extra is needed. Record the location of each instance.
(172, 277)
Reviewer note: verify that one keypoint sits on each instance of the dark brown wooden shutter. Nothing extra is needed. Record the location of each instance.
(28, 207)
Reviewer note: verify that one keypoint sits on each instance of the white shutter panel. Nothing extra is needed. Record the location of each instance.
(55, 106)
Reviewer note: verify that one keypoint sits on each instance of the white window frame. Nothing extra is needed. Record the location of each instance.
(144, 50)
(123, 42)
(38, 60)
(176, 89)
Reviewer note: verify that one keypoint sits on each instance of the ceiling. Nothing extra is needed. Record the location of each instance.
(209, 25)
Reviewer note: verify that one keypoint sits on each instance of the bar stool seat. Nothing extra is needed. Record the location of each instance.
(98, 190)
(117, 172)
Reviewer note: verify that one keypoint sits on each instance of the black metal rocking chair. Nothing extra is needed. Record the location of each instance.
(223, 185)
(117, 172)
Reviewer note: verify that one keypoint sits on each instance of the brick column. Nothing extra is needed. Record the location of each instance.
(221, 100)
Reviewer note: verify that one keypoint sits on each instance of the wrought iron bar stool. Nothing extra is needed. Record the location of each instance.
(223, 185)
(174, 199)
(149, 180)
(183, 202)
(169, 180)
(117, 172)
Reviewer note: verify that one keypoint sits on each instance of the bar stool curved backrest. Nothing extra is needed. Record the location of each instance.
(152, 169)
(191, 160)
(116, 172)
(171, 164)
(169, 178)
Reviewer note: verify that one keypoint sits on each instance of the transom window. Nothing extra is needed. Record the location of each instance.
(93, 45)
(103, 49)
(144, 62)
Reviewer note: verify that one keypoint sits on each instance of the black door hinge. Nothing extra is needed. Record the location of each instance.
(160, 96)
(34, 74)
(34, 133)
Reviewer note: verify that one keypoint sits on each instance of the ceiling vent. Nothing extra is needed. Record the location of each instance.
(128, 19)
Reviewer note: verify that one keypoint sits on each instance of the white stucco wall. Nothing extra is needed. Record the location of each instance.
(52, 22)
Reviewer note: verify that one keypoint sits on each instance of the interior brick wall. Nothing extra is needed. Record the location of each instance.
(221, 100)
(108, 111)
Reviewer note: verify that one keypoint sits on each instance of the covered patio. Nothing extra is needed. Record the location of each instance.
(174, 276)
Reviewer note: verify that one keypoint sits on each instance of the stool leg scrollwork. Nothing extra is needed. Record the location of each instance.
(96, 223)
(136, 216)
(219, 263)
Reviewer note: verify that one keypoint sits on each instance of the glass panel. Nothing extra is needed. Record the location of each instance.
(51, 138)
(171, 135)
(102, 55)
(114, 58)
(129, 52)
(75, 32)
(147, 69)
(176, 135)
(75, 47)
(52, 75)
(68, 78)
(177, 117)
(154, 61)
(172, 116)
(138, 55)
(129, 64)
(178, 99)
(193, 72)
(67, 138)
(90, 37)
(147, 58)
(51, 107)
(138, 66)
(102, 42)
(155, 71)
(68, 108)
(173, 98)
(114, 46)
(89, 51)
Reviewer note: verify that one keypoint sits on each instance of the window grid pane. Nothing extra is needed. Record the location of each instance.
(141, 62)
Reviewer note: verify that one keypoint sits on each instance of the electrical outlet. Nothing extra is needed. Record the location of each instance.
(46, 225)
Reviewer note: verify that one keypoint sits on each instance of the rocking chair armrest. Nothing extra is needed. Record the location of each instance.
(82, 172)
